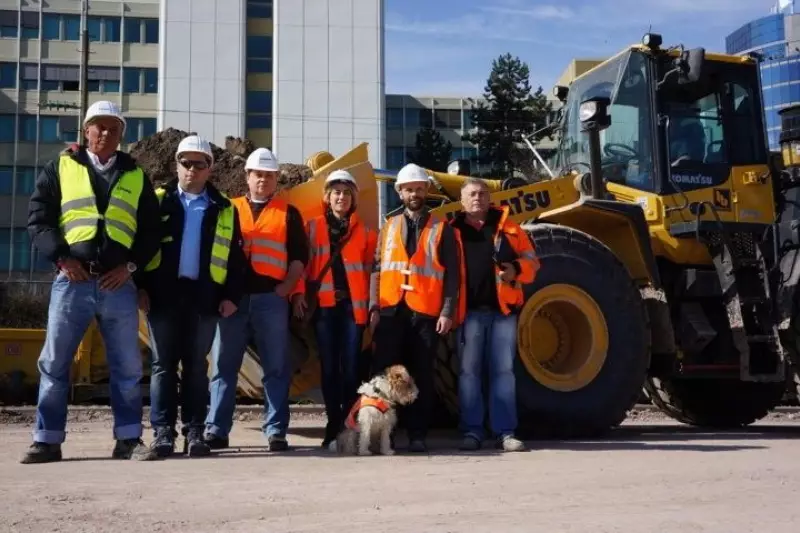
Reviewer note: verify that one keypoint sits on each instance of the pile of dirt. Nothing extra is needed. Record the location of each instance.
(156, 155)
(21, 308)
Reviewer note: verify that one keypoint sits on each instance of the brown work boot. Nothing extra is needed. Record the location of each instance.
(40, 452)
(134, 449)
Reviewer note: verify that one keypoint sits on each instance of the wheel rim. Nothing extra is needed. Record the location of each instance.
(562, 337)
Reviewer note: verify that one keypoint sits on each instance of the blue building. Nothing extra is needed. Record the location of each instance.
(777, 38)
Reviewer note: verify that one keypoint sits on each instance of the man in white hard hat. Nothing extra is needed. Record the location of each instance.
(414, 293)
(195, 280)
(276, 246)
(94, 214)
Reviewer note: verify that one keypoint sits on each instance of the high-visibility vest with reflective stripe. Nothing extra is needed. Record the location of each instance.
(510, 296)
(265, 238)
(357, 256)
(220, 249)
(419, 279)
(79, 214)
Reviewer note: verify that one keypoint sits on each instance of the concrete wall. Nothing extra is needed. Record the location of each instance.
(329, 72)
(201, 72)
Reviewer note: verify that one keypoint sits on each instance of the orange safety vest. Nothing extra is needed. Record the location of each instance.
(509, 295)
(365, 401)
(420, 279)
(357, 256)
(265, 238)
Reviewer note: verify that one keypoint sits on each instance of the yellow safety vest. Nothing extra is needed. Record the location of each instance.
(79, 214)
(220, 250)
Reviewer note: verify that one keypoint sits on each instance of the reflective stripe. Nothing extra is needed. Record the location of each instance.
(121, 226)
(268, 243)
(354, 267)
(224, 241)
(77, 204)
(528, 255)
(123, 205)
(90, 222)
(268, 260)
(327, 286)
(320, 250)
(360, 304)
(219, 262)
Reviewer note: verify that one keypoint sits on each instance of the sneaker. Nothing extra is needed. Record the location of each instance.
(195, 445)
(509, 443)
(134, 449)
(417, 446)
(277, 444)
(215, 442)
(164, 443)
(40, 452)
(470, 444)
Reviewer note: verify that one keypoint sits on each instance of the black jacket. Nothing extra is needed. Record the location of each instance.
(161, 283)
(44, 210)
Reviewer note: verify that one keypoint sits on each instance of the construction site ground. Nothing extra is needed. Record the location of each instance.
(649, 475)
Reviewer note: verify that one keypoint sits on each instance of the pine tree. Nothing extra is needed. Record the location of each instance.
(507, 112)
(431, 151)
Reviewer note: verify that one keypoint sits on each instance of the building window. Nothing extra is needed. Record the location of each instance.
(8, 75)
(139, 128)
(21, 260)
(259, 102)
(30, 24)
(259, 46)
(137, 28)
(26, 180)
(51, 27)
(72, 27)
(6, 185)
(395, 157)
(138, 80)
(7, 128)
(447, 118)
(259, 66)
(259, 121)
(8, 23)
(259, 9)
(50, 128)
(394, 118)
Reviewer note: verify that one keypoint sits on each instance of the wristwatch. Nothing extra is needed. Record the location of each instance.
(131, 267)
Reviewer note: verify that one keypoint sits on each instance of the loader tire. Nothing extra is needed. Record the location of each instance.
(578, 273)
(714, 403)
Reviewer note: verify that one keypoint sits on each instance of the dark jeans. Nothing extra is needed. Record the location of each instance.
(179, 334)
(339, 347)
(410, 339)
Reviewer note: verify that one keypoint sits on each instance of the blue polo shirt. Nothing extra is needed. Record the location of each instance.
(194, 206)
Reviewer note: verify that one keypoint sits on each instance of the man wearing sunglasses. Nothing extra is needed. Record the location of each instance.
(195, 279)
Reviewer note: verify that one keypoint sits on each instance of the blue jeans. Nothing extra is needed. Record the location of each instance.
(265, 317)
(73, 305)
(179, 334)
(487, 337)
(339, 346)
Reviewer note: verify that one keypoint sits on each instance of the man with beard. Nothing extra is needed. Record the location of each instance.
(276, 246)
(413, 294)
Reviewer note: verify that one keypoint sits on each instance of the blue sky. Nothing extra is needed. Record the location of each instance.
(446, 47)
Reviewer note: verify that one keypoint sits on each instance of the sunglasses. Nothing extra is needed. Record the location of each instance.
(189, 164)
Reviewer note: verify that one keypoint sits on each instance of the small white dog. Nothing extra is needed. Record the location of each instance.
(374, 416)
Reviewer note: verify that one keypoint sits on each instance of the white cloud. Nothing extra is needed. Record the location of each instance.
(536, 12)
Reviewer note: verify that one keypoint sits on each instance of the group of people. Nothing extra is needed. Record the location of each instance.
(213, 272)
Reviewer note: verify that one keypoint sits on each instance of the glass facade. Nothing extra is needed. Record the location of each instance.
(258, 100)
(780, 67)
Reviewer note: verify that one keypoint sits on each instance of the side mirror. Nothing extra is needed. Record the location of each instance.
(694, 61)
(561, 92)
(594, 117)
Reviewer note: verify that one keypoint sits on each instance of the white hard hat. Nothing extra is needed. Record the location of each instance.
(341, 175)
(104, 108)
(409, 174)
(262, 159)
(195, 143)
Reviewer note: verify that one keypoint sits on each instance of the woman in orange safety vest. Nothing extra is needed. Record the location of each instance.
(343, 294)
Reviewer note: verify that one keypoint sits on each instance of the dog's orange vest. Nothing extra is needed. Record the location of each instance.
(378, 403)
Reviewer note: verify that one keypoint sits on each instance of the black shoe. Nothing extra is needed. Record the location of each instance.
(194, 445)
(215, 442)
(277, 444)
(417, 446)
(134, 449)
(40, 452)
(164, 443)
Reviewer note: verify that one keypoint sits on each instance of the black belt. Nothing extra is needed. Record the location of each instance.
(94, 268)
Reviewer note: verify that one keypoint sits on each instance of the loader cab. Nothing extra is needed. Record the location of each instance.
(667, 127)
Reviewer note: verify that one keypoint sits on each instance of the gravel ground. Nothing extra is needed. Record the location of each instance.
(649, 475)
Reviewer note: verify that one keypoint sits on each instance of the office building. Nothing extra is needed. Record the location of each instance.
(777, 38)
(313, 69)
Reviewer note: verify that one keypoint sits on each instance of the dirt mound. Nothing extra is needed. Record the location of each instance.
(156, 155)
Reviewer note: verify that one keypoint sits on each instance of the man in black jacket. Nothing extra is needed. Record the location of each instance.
(94, 214)
(195, 278)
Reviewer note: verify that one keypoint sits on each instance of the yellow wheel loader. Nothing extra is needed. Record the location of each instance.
(660, 250)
